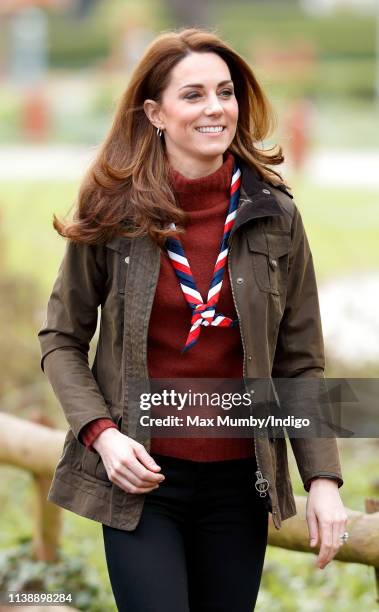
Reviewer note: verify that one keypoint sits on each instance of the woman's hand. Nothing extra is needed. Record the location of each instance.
(127, 462)
(326, 518)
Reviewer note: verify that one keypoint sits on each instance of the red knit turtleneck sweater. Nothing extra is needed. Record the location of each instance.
(218, 352)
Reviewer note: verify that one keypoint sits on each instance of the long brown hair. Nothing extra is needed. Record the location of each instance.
(126, 190)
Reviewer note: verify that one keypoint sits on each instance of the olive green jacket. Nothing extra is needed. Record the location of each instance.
(275, 294)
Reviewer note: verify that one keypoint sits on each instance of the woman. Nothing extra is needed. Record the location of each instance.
(178, 185)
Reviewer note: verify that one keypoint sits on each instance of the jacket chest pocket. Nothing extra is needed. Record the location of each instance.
(270, 259)
(121, 248)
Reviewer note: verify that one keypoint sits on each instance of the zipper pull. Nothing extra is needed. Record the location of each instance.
(261, 484)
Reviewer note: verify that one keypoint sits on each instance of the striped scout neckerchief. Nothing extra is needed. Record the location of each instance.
(205, 313)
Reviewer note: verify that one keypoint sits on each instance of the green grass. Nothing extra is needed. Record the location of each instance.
(342, 225)
(34, 248)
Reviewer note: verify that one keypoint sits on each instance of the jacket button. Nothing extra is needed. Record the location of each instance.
(239, 280)
(249, 357)
(273, 263)
(127, 260)
(266, 191)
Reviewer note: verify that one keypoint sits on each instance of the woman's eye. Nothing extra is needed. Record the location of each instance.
(194, 94)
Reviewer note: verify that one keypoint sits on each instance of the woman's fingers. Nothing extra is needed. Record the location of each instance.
(340, 528)
(331, 541)
(313, 529)
(141, 482)
(129, 487)
(337, 542)
(140, 475)
(144, 457)
(133, 477)
(326, 548)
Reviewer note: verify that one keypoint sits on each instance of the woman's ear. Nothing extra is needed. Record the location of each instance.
(151, 108)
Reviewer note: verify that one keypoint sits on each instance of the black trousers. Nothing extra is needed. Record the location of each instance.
(199, 545)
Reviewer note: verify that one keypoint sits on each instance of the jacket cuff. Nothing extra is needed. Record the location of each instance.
(93, 429)
(307, 484)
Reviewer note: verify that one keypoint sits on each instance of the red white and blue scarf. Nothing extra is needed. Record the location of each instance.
(204, 313)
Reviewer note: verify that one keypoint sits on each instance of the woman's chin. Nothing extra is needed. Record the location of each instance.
(211, 151)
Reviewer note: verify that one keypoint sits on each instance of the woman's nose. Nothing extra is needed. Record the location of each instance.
(213, 105)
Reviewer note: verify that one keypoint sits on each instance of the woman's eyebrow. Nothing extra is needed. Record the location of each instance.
(201, 85)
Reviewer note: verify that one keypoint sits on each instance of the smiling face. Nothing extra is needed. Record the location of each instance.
(198, 113)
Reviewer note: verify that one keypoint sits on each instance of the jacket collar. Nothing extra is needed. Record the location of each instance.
(256, 198)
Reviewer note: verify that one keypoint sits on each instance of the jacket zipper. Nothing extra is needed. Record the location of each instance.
(261, 484)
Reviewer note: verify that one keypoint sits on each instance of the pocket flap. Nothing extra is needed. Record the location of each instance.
(258, 242)
(279, 244)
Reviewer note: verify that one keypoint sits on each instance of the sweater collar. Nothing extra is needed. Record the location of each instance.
(217, 182)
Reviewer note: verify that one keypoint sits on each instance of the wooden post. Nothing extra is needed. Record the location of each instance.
(47, 522)
(47, 516)
(372, 505)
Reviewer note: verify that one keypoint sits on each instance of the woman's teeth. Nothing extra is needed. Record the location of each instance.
(205, 130)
